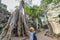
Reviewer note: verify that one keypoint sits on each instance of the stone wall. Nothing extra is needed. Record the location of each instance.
(4, 16)
(53, 17)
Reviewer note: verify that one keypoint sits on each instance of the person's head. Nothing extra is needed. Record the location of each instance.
(32, 29)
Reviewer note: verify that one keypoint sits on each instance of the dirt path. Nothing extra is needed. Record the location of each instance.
(40, 36)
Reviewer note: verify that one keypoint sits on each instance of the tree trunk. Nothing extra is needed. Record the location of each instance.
(0, 2)
(22, 15)
(40, 24)
(36, 20)
(6, 33)
(50, 28)
(16, 20)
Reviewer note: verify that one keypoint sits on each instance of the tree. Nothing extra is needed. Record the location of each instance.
(0, 3)
(44, 4)
(17, 20)
(35, 12)
(56, 1)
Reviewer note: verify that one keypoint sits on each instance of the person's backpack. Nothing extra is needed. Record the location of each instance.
(34, 36)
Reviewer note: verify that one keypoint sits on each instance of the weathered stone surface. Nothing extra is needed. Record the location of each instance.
(53, 17)
(4, 16)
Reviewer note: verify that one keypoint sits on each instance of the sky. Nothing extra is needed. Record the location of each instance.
(12, 3)
(36, 2)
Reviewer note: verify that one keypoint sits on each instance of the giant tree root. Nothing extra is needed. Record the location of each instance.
(52, 35)
(17, 20)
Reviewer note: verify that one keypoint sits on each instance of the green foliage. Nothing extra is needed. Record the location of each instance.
(56, 1)
(27, 8)
(44, 3)
(33, 11)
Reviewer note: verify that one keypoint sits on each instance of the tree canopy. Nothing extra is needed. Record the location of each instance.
(34, 11)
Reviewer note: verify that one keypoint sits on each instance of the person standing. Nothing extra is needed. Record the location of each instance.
(32, 34)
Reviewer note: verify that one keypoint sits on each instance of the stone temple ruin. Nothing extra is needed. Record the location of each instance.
(53, 14)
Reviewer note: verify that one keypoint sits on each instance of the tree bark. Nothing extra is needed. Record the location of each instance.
(6, 33)
(16, 20)
(36, 20)
(50, 28)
